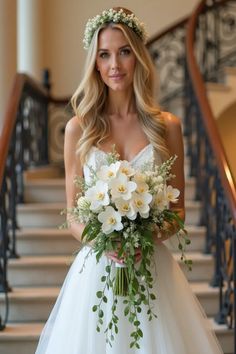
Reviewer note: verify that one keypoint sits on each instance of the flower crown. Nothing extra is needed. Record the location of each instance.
(114, 16)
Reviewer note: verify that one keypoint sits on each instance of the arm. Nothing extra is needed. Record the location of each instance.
(174, 141)
(73, 168)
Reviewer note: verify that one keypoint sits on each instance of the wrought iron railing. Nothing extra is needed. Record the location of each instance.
(23, 144)
(211, 45)
(169, 55)
(212, 29)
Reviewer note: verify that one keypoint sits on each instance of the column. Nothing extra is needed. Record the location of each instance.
(30, 37)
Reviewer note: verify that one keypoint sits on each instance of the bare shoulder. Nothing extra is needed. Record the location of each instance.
(73, 128)
(174, 137)
(172, 122)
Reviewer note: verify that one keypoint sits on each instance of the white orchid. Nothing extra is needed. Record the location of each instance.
(142, 188)
(159, 201)
(98, 195)
(126, 208)
(141, 203)
(107, 173)
(121, 187)
(140, 177)
(111, 220)
(171, 194)
(126, 169)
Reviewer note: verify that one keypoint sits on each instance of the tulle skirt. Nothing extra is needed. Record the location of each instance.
(181, 326)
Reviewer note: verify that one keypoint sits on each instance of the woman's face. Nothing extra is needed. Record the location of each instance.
(115, 59)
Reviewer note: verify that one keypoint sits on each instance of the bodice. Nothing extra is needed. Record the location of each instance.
(97, 157)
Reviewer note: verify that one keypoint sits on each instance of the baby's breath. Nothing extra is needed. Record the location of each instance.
(114, 16)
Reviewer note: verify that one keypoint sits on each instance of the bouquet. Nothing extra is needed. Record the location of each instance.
(121, 207)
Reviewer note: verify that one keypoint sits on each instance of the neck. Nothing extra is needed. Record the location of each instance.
(121, 103)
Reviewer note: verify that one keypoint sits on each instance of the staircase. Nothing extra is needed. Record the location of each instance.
(46, 253)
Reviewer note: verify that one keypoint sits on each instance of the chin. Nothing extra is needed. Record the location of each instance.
(119, 87)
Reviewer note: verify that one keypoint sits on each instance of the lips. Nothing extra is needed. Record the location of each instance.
(117, 76)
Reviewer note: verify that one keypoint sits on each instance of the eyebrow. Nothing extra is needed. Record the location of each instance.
(106, 50)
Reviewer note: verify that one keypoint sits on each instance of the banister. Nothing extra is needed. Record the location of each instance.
(209, 120)
(10, 116)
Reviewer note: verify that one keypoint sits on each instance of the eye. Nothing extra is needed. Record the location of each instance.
(125, 51)
(103, 55)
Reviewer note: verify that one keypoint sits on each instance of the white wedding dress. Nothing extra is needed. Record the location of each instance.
(181, 326)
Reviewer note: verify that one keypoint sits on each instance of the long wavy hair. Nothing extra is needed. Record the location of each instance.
(89, 100)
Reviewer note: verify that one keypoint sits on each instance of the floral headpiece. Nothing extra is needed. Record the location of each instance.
(114, 16)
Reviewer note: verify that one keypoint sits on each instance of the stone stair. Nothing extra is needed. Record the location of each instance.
(47, 252)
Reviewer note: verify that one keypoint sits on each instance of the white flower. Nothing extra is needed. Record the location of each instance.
(83, 203)
(142, 188)
(171, 194)
(121, 187)
(159, 201)
(141, 203)
(98, 195)
(126, 208)
(111, 220)
(140, 177)
(112, 15)
(126, 169)
(107, 173)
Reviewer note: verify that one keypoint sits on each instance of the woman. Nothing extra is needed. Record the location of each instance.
(114, 104)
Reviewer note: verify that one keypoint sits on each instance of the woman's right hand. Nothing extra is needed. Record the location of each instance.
(113, 255)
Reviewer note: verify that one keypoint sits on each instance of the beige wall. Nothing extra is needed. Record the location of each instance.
(7, 52)
(227, 127)
(64, 23)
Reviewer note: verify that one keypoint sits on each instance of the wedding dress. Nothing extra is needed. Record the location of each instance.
(181, 326)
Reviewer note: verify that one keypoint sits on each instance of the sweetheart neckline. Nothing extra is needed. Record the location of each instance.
(133, 159)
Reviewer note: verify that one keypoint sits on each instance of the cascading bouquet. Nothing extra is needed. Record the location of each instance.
(121, 207)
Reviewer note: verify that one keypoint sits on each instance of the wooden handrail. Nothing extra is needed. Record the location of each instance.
(209, 120)
(11, 113)
(20, 80)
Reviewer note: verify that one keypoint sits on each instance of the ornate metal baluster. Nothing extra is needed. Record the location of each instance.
(215, 45)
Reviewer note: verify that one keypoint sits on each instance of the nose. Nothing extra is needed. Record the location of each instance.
(115, 62)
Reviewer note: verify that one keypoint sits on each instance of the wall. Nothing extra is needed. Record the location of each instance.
(7, 52)
(226, 123)
(64, 23)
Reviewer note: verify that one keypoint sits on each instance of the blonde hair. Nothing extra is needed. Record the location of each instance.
(89, 100)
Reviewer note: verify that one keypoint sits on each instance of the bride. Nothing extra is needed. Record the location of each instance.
(114, 104)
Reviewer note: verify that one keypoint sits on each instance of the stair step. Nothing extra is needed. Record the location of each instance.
(48, 241)
(50, 190)
(217, 87)
(30, 304)
(197, 236)
(22, 338)
(40, 214)
(51, 271)
(47, 171)
(38, 271)
(45, 190)
(34, 304)
(49, 214)
(230, 70)
(203, 266)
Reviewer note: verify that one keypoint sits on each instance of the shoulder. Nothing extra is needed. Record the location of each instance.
(174, 136)
(73, 129)
(73, 125)
(171, 121)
